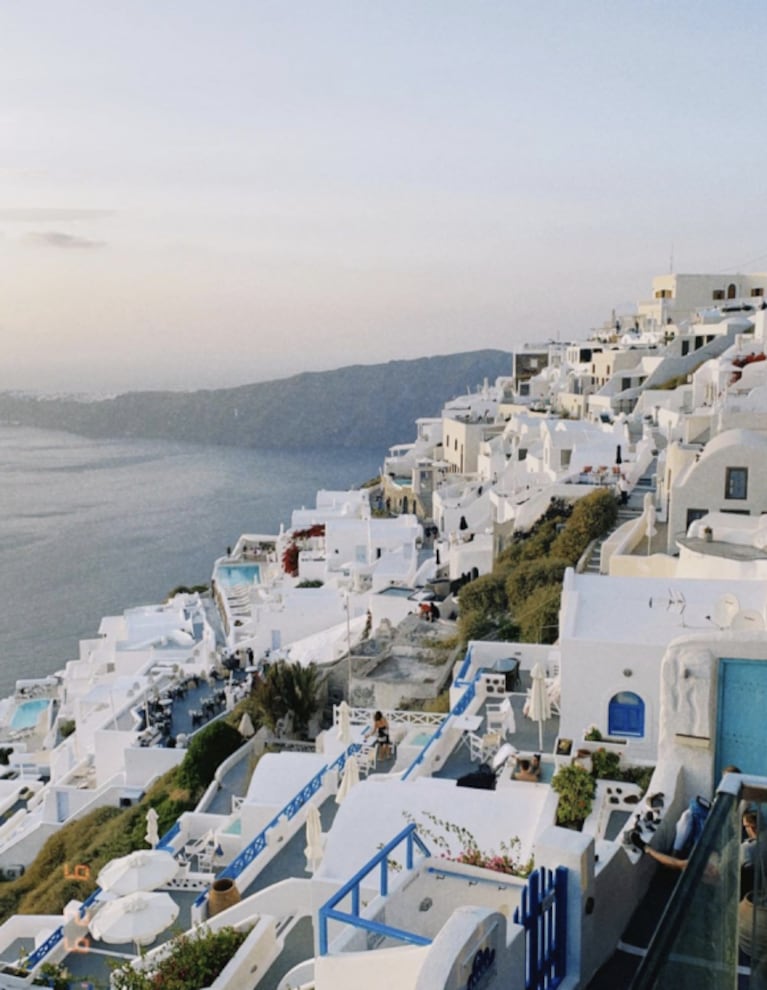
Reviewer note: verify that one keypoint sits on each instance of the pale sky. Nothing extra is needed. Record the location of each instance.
(211, 192)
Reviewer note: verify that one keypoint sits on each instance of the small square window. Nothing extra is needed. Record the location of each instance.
(736, 483)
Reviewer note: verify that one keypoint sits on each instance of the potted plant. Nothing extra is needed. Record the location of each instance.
(708, 534)
(576, 789)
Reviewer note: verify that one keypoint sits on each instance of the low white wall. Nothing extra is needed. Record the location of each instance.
(24, 847)
(144, 763)
(657, 565)
(253, 958)
(368, 970)
(453, 955)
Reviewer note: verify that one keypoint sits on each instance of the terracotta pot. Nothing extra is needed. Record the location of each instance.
(223, 894)
(752, 932)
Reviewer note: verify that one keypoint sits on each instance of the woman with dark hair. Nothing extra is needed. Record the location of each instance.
(381, 733)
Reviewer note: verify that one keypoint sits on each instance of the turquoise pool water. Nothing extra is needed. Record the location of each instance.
(396, 592)
(421, 739)
(547, 772)
(234, 828)
(28, 712)
(229, 574)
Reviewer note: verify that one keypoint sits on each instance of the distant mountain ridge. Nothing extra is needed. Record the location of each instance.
(355, 406)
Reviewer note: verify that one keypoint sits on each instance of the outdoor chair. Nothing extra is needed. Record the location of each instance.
(483, 748)
(366, 758)
(500, 717)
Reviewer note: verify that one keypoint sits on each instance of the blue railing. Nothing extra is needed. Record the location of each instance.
(36, 957)
(329, 912)
(543, 915)
(257, 845)
(167, 840)
(458, 709)
(465, 666)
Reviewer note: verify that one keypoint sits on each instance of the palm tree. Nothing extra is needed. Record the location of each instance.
(288, 688)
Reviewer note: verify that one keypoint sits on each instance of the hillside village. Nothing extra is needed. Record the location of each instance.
(430, 855)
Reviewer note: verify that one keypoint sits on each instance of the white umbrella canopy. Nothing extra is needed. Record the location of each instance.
(137, 918)
(313, 850)
(245, 728)
(540, 709)
(144, 869)
(344, 723)
(650, 517)
(152, 835)
(350, 778)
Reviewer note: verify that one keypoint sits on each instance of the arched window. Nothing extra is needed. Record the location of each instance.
(625, 716)
(732, 292)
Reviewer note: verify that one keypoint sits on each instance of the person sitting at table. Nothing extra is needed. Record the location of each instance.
(529, 770)
(381, 735)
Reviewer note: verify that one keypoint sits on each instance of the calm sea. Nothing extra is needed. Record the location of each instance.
(91, 527)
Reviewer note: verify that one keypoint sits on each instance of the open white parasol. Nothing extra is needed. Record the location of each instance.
(144, 869)
(137, 918)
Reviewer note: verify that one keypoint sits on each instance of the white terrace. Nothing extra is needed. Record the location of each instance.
(260, 843)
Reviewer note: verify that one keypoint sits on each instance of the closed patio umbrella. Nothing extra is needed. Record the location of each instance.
(351, 778)
(313, 850)
(144, 869)
(649, 520)
(137, 918)
(245, 728)
(344, 723)
(540, 709)
(152, 835)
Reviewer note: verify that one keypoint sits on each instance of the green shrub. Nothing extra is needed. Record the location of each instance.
(205, 752)
(531, 575)
(538, 616)
(641, 776)
(576, 789)
(605, 765)
(66, 727)
(593, 516)
(183, 589)
(193, 961)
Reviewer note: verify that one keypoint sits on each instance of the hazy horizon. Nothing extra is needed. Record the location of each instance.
(231, 192)
(238, 384)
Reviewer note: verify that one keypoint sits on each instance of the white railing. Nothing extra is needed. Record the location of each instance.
(395, 716)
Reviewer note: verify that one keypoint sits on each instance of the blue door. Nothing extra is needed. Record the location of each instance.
(625, 715)
(741, 737)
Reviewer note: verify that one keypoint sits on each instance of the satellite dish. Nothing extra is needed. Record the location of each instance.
(748, 618)
(725, 610)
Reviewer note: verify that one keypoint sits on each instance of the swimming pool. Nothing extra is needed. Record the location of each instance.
(396, 592)
(28, 712)
(229, 574)
(420, 739)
